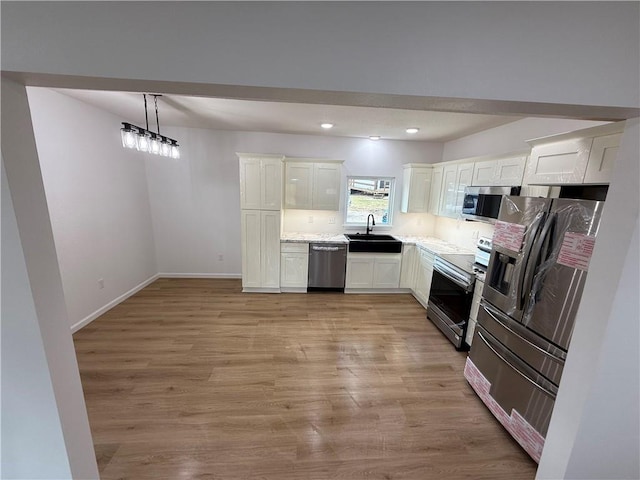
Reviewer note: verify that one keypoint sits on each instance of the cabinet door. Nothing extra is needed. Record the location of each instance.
(326, 186)
(294, 269)
(250, 244)
(448, 193)
(250, 183)
(408, 268)
(270, 249)
(558, 163)
(424, 274)
(463, 180)
(418, 190)
(436, 188)
(484, 173)
(298, 185)
(475, 303)
(509, 171)
(271, 184)
(386, 271)
(601, 158)
(359, 271)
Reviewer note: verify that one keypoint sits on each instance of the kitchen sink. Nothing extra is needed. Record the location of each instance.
(371, 243)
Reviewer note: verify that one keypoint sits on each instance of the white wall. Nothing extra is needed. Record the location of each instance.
(46, 295)
(98, 202)
(564, 52)
(460, 232)
(195, 201)
(510, 138)
(29, 411)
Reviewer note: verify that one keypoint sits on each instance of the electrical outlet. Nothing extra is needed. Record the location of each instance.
(332, 220)
(101, 283)
(476, 234)
(220, 258)
(310, 219)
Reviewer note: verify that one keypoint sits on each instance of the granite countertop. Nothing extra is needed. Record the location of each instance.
(433, 244)
(295, 237)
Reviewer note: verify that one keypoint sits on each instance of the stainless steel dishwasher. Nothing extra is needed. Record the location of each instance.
(327, 266)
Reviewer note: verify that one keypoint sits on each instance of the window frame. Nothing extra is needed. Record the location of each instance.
(379, 224)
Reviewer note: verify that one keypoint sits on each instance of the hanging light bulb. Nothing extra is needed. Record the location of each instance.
(128, 136)
(165, 147)
(175, 153)
(154, 144)
(143, 141)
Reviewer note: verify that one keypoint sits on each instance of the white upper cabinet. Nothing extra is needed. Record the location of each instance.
(484, 173)
(312, 185)
(448, 191)
(455, 178)
(260, 182)
(502, 172)
(436, 188)
(601, 159)
(559, 162)
(583, 156)
(509, 171)
(326, 186)
(298, 179)
(463, 180)
(416, 188)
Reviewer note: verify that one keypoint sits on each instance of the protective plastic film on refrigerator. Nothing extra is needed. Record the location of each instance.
(534, 282)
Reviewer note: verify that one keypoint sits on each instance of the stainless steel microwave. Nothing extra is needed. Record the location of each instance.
(483, 203)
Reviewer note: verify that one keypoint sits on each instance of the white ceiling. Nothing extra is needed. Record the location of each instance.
(296, 118)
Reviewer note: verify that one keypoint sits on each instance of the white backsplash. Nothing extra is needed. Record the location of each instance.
(322, 221)
(462, 233)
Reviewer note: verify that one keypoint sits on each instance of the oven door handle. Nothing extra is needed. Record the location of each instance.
(438, 267)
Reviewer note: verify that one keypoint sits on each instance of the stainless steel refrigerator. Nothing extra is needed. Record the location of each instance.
(534, 282)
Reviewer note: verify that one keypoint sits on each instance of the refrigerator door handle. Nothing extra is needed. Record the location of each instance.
(537, 251)
(519, 285)
(493, 314)
(550, 393)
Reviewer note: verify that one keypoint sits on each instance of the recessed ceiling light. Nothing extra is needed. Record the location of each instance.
(374, 137)
(412, 130)
(326, 125)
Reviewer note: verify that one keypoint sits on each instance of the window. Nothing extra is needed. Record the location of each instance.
(367, 195)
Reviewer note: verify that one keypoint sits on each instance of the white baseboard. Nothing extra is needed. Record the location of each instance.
(200, 275)
(89, 318)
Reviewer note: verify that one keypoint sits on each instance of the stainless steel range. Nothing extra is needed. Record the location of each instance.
(451, 295)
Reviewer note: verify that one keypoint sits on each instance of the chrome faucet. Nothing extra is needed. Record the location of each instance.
(373, 222)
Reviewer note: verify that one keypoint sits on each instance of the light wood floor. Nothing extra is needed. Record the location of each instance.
(193, 379)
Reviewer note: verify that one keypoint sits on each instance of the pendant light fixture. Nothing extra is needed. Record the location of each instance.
(144, 140)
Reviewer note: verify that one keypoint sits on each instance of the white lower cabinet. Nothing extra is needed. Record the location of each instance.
(260, 250)
(475, 307)
(373, 271)
(294, 267)
(424, 274)
(408, 268)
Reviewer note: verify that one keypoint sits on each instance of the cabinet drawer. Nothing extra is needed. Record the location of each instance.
(294, 247)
